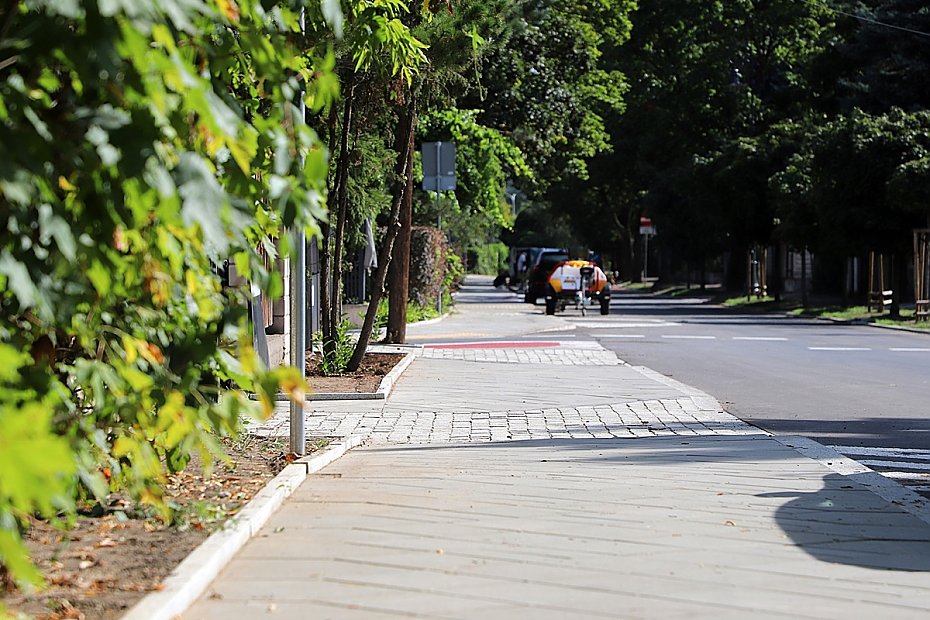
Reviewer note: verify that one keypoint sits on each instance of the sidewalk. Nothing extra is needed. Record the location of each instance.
(545, 478)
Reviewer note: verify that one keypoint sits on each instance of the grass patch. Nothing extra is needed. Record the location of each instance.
(757, 304)
(636, 286)
(862, 314)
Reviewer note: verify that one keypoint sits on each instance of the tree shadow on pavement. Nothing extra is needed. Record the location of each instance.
(844, 523)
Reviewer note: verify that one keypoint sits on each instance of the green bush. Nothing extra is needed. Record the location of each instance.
(427, 265)
(345, 345)
(489, 259)
(147, 153)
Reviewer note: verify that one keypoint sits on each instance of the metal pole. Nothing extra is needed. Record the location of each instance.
(646, 257)
(298, 308)
(439, 215)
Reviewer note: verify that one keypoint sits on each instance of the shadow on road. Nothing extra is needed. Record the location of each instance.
(898, 432)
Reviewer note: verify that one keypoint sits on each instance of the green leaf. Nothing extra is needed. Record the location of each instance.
(19, 280)
(51, 225)
(203, 202)
(99, 276)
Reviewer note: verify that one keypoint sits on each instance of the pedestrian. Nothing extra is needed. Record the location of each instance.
(521, 269)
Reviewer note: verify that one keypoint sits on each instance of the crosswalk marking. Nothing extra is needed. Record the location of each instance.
(897, 464)
(911, 453)
(621, 336)
(907, 466)
(909, 349)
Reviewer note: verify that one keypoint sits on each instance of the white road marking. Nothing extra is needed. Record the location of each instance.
(621, 325)
(839, 348)
(691, 337)
(903, 475)
(909, 349)
(904, 465)
(760, 338)
(554, 337)
(912, 453)
(619, 336)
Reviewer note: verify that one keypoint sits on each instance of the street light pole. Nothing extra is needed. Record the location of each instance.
(298, 311)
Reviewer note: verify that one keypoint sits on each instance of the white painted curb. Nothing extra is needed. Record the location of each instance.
(196, 572)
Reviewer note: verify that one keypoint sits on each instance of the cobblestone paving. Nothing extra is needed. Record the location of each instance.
(686, 415)
(562, 356)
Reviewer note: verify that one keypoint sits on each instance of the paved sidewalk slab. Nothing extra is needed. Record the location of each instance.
(660, 527)
(458, 398)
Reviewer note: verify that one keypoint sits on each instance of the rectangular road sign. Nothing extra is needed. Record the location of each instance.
(438, 166)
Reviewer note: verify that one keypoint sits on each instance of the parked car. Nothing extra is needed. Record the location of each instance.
(542, 263)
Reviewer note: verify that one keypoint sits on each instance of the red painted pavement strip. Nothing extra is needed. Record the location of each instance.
(494, 345)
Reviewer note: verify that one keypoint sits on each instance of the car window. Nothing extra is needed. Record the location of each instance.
(550, 259)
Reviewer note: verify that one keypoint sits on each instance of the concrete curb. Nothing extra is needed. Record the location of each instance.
(384, 388)
(196, 572)
(897, 328)
(390, 380)
(886, 488)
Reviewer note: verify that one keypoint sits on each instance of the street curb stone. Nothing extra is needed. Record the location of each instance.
(190, 579)
(384, 388)
(886, 488)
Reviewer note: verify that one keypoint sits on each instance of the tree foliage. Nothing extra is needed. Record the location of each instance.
(147, 148)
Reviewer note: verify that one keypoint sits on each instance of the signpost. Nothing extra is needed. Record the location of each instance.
(438, 176)
(438, 166)
(646, 229)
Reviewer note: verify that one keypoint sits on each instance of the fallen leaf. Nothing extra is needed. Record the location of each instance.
(730, 523)
(85, 564)
(106, 542)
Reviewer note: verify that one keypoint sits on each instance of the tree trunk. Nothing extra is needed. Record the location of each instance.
(334, 240)
(804, 302)
(403, 170)
(778, 273)
(399, 274)
(327, 329)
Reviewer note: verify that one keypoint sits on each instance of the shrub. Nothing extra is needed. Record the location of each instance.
(489, 259)
(427, 265)
(147, 153)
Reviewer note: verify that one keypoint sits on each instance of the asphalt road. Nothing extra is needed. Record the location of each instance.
(850, 385)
